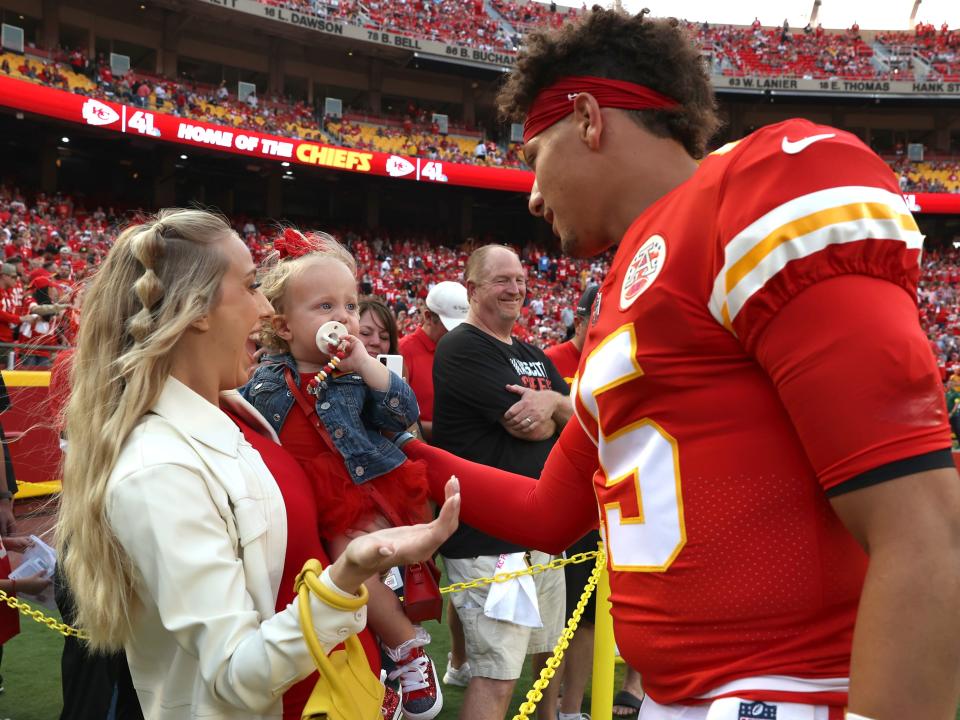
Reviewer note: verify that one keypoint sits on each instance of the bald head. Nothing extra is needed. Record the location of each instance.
(496, 287)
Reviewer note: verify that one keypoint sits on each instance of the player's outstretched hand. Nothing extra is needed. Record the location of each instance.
(374, 553)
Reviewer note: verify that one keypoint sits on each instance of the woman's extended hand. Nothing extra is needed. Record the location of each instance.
(373, 553)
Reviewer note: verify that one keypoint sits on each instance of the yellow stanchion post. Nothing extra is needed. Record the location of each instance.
(601, 694)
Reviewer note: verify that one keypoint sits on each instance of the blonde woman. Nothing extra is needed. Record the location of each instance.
(174, 527)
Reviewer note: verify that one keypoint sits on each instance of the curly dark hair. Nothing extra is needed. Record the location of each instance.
(656, 52)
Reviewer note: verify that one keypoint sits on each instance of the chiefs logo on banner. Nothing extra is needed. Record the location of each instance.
(96, 113)
(110, 116)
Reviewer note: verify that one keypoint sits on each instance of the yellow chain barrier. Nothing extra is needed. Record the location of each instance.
(559, 562)
(39, 617)
(535, 694)
(531, 570)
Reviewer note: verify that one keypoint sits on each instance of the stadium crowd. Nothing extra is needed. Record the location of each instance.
(759, 49)
(939, 302)
(412, 133)
(939, 49)
(931, 176)
(52, 245)
(811, 53)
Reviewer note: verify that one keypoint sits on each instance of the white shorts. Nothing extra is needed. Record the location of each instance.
(495, 648)
(732, 708)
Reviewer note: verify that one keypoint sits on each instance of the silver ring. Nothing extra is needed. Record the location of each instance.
(528, 421)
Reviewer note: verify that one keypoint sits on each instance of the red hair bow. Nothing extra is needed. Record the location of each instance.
(293, 244)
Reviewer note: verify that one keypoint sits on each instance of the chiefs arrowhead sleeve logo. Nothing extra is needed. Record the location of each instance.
(643, 270)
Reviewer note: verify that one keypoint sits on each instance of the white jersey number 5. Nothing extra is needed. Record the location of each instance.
(641, 464)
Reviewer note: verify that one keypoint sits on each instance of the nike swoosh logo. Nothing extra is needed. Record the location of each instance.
(798, 146)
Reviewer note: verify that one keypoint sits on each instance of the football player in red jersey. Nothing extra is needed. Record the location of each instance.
(760, 421)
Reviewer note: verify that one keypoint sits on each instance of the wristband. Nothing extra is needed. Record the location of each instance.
(6, 495)
(403, 438)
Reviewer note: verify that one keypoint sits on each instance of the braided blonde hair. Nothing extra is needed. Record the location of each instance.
(276, 282)
(160, 277)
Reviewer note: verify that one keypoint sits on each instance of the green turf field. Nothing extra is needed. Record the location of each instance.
(31, 674)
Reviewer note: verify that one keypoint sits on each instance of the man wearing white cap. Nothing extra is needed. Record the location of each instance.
(447, 307)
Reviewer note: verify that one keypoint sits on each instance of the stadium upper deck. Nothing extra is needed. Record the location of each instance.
(810, 53)
(389, 64)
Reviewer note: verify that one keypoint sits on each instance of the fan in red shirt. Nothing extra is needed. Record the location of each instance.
(761, 426)
(10, 316)
(446, 307)
(566, 356)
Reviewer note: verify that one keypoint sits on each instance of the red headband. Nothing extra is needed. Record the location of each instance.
(556, 102)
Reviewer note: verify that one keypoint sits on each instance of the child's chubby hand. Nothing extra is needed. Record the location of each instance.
(356, 359)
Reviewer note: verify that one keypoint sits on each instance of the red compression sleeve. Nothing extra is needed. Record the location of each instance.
(548, 514)
(856, 375)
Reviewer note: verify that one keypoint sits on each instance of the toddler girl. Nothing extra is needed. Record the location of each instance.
(333, 429)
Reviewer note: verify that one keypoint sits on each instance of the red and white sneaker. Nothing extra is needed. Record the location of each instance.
(390, 709)
(421, 698)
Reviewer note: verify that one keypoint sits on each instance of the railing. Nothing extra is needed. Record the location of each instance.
(11, 350)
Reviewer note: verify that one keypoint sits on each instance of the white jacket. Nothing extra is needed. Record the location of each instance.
(203, 521)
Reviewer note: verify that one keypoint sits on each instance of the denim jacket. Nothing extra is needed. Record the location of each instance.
(350, 411)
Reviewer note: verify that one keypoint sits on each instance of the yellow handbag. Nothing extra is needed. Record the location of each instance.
(347, 688)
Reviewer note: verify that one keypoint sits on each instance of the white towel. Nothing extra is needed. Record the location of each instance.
(515, 600)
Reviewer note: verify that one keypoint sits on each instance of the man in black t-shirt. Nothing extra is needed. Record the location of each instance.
(500, 402)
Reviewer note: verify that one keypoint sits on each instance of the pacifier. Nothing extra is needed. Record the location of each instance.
(330, 335)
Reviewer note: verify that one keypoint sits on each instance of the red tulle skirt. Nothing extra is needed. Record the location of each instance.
(344, 505)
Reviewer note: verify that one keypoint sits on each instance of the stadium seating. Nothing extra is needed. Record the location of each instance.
(449, 21)
(414, 133)
(395, 266)
(764, 51)
(216, 105)
(939, 49)
(938, 301)
(419, 139)
(527, 15)
(931, 176)
(767, 51)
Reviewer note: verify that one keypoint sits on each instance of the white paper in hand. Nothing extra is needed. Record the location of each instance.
(515, 600)
(38, 558)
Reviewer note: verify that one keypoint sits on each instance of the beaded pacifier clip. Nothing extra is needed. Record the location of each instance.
(330, 339)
